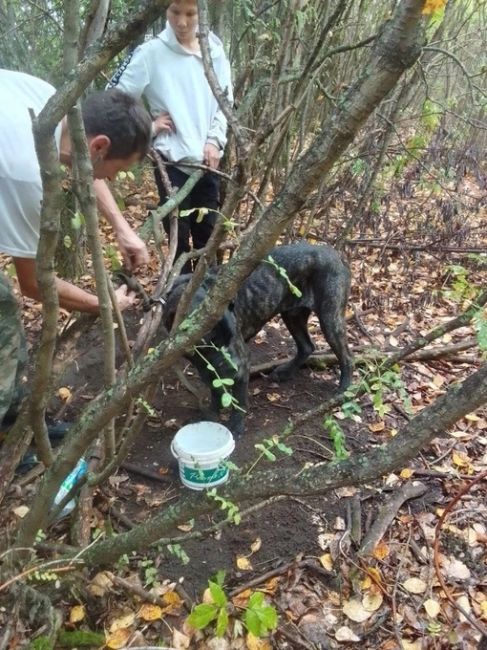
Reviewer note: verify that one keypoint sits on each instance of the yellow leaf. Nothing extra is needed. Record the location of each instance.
(375, 427)
(243, 563)
(122, 622)
(460, 459)
(273, 397)
(64, 393)
(406, 473)
(185, 528)
(76, 614)
(430, 6)
(375, 575)
(271, 585)
(118, 639)
(366, 583)
(415, 585)
(100, 584)
(483, 610)
(254, 643)
(432, 607)
(326, 561)
(173, 602)
(372, 601)
(150, 612)
(381, 551)
(255, 546)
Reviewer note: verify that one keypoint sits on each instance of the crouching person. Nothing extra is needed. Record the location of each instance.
(118, 131)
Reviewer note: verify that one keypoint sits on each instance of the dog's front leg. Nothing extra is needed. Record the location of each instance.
(240, 393)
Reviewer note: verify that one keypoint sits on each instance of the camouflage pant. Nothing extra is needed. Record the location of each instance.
(13, 353)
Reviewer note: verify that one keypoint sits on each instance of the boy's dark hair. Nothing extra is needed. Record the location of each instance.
(121, 118)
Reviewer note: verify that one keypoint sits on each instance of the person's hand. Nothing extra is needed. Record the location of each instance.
(163, 123)
(125, 298)
(133, 249)
(211, 155)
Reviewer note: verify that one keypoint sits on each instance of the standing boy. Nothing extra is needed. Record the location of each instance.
(188, 125)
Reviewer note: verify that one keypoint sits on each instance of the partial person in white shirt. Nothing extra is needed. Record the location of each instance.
(187, 123)
(118, 131)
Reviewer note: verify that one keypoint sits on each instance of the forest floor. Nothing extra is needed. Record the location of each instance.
(302, 553)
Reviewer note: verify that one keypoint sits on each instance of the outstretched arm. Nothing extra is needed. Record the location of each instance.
(133, 249)
(70, 296)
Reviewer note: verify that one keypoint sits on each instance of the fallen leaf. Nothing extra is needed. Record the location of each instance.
(460, 459)
(100, 584)
(122, 622)
(432, 607)
(118, 639)
(381, 551)
(255, 546)
(339, 524)
(64, 393)
(406, 473)
(241, 600)
(355, 611)
(464, 603)
(271, 585)
(456, 569)
(326, 561)
(186, 528)
(77, 614)
(372, 601)
(21, 511)
(173, 602)
(150, 612)
(273, 397)
(254, 643)
(415, 586)
(376, 427)
(411, 645)
(346, 634)
(392, 479)
(180, 641)
(244, 564)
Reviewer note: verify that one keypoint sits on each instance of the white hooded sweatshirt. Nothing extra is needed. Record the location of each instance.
(171, 79)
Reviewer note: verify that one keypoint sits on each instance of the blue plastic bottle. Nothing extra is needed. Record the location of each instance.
(66, 486)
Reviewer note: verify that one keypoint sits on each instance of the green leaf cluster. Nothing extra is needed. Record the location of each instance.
(258, 617)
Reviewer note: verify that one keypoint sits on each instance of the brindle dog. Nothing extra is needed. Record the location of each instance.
(323, 280)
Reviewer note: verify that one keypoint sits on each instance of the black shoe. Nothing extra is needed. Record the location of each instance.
(56, 430)
(28, 462)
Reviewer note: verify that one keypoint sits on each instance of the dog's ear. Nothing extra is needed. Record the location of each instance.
(226, 328)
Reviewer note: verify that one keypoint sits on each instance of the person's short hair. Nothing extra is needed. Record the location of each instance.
(120, 117)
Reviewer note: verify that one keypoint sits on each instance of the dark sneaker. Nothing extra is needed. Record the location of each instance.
(28, 462)
(57, 429)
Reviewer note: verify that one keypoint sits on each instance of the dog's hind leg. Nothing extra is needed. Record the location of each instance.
(334, 330)
(297, 323)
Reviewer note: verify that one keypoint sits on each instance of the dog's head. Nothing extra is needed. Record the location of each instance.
(226, 328)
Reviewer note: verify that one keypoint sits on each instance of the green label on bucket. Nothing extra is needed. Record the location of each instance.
(204, 476)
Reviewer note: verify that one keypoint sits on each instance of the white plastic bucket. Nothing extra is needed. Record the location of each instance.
(201, 449)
